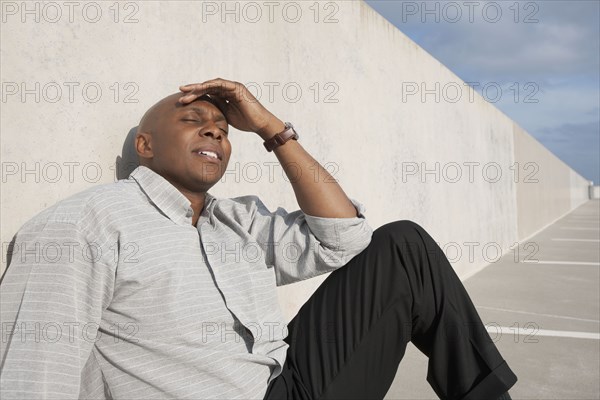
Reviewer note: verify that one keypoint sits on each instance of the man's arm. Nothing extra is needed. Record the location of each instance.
(317, 192)
(52, 295)
(297, 245)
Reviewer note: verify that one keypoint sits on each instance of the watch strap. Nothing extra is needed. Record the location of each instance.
(287, 134)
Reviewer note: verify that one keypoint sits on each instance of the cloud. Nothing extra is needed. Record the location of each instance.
(565, 40)
(555, 102)
(577, 145)
(559, 54)
(567, 132)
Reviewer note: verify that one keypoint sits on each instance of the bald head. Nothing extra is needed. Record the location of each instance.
(154, 114)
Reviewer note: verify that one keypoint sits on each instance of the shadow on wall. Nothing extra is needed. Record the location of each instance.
(9, 254)
(125, 164)
(128, 160)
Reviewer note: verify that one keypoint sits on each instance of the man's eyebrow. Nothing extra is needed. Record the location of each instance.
(201, 111)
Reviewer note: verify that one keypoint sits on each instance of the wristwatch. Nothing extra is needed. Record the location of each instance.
(282, 137)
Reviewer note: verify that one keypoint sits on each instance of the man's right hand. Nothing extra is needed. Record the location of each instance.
(241, 109)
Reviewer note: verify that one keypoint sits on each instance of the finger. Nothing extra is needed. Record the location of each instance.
(189, 92)
(191, 96)
(187, 88)
(188, 98)
(217, 87)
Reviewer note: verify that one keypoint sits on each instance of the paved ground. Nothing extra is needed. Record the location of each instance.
(544, 316)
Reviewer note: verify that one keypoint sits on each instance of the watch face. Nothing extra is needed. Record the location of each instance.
(289, 125)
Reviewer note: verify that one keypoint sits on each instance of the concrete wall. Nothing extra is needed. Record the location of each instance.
(362, 113)
(544, 180)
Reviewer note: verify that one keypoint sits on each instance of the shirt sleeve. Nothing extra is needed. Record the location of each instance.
(53, 295)
(301, 246)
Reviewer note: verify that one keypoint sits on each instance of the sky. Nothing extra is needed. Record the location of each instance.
(543, 55)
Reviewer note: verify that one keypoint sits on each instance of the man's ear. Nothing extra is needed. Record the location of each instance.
(143, 145)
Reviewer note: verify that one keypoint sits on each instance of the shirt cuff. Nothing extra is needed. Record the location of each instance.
(359, 207)
(340, 233)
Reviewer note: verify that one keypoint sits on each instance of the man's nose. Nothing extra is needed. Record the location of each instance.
(213, 132)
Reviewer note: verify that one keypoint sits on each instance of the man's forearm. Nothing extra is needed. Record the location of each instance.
(317, 192)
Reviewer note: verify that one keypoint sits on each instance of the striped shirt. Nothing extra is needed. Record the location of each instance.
(113, 293)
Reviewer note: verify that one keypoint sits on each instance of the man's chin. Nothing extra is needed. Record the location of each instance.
(202, 184)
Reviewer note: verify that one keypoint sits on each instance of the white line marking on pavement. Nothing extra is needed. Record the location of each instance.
(540, 314)
(542, 332)
(576, 240)
(596, 264)
(577, 228)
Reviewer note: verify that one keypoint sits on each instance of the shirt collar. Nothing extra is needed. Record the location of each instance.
(166, 197)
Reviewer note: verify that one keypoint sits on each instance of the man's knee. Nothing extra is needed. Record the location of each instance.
(408, 235)
(404, 227)
(405, 233)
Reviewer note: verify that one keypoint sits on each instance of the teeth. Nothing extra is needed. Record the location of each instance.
(209, 153)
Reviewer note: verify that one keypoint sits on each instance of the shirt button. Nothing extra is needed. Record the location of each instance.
(189, 213)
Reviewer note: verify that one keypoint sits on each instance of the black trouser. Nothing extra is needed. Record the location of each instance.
(347, 340)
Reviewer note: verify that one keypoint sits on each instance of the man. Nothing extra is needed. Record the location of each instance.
(151, 287)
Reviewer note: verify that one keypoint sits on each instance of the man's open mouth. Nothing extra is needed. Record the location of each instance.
(210, 155)
(208, 151)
